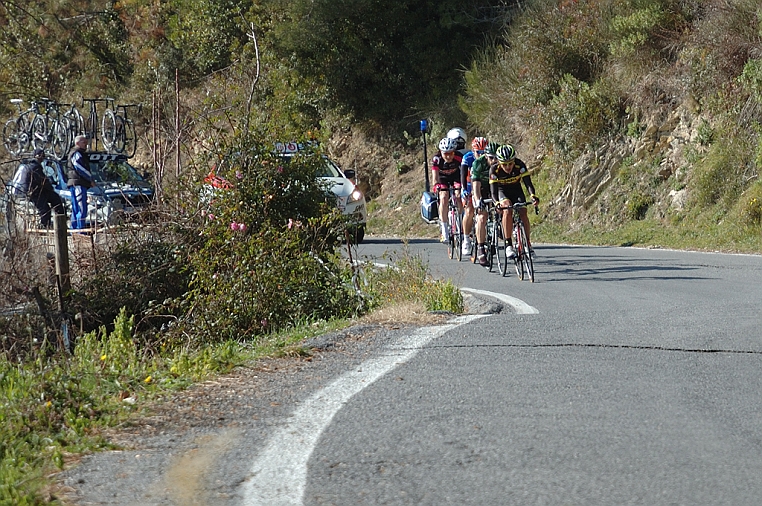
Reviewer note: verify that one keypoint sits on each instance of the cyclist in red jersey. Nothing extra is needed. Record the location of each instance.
(445, 167)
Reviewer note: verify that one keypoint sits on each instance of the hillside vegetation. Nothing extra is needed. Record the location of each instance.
(641, 118)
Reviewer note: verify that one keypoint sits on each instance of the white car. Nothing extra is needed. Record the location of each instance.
(349, 199)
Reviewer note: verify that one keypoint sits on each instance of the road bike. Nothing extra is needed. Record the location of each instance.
(17, 132)
(91, 121)
(119, 130)
(76, 122)
(50, 130)
(523, 259)
(455, 225)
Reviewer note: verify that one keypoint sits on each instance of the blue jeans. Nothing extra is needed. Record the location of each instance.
(78, 207)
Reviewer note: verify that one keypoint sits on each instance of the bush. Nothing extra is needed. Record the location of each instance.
(267, 257)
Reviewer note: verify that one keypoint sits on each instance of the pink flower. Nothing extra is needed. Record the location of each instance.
(234, 226)
(280, 169)
(239, 174)
(211, 216)
(290, 223)
(264, 322)
(242, 227)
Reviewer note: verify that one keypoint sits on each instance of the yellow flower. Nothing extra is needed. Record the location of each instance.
(103, 358)
(48, 404)
(148, 380)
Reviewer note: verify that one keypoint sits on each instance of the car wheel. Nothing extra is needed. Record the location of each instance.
(357, 234)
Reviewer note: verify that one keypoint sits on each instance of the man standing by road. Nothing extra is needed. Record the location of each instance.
(79, 180)
(41, 192)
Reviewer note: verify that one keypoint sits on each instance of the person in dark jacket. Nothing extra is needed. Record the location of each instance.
(41, 192)
(79, 180)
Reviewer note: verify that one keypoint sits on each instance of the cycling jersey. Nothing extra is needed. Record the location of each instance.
(510, 191)
(447, 173)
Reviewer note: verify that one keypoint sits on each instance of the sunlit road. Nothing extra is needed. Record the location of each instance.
(636, 381)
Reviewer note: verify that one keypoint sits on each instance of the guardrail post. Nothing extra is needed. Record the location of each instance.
(62, 257)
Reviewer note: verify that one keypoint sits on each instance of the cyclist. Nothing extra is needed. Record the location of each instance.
(445, 167)
(509, 167)
(480, 171)
(477, 149)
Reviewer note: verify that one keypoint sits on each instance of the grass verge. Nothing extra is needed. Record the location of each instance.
(56, 408)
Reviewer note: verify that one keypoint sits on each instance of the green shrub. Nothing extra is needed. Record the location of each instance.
(579, 114)
(633, 30)
(268, 252)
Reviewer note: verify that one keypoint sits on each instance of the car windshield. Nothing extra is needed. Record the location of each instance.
(114, 171)
(326, 169)
(329, 169)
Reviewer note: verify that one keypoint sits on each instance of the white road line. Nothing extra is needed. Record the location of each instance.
(518, 305)
(278, 476)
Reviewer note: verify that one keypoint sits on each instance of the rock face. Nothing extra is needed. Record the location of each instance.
(665, 138)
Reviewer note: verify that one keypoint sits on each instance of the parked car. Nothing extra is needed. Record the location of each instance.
(349, 199)
(120, 192)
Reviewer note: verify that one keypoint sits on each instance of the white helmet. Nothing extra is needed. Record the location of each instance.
(459, 135)
(448, 144)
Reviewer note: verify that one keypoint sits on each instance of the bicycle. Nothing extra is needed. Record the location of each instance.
(455, 223)
(17, 132)
(124, 137)
(50, 130)
(91, 122)
(523, 259)
(76, 122)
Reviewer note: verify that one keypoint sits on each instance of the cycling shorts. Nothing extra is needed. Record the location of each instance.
(511, 192)
(449, 181)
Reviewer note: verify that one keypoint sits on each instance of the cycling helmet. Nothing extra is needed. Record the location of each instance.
(491, 149)
(459, 135)
(479, 143)
(448, 144)
(505, 153)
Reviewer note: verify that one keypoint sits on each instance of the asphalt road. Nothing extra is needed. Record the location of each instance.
(622, 376)
(636, 382)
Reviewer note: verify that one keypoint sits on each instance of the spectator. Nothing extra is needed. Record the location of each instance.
(79, 180)
(41, 192)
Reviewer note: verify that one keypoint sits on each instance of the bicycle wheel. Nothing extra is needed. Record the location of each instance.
(61, 141)
(76, 122)
(457, 233)
(518, 233)
(502, 259)
(108, 129)
(12, 139)
(39, 133)
(526, 257)
(120, 134)
(130, 138)
(494, 242)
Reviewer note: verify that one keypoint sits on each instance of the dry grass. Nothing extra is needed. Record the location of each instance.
(404, 313)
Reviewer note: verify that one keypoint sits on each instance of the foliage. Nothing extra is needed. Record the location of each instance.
(361, 51)
(634, 29)
(407, 279)
(579, 114)
(142, 270)
(268, 253)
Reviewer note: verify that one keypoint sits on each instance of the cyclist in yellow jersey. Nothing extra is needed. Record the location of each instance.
(505, 186)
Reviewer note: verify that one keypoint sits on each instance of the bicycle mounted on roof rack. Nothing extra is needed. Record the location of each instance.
(53, 126)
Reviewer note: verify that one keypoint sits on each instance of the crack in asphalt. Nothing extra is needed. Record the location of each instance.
(613, 346)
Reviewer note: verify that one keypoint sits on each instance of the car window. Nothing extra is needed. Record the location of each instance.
(329, 169)
(51, 171)
(115, 171)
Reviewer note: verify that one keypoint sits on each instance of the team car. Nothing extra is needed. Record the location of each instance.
(119, 195)
(349, 199)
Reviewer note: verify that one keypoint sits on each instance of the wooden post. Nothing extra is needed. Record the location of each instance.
(61, 230)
